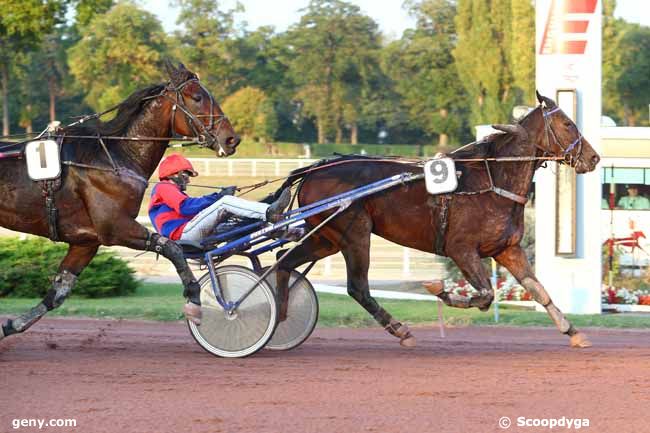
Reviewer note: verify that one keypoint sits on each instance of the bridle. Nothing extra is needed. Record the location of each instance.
(568, 157)
(204, 135)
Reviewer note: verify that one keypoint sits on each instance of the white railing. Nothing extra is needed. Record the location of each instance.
(253, 167)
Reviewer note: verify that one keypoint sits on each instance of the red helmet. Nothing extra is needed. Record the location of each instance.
(173, 164)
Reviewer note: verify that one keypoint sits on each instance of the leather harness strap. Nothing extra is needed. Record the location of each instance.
(48, 188)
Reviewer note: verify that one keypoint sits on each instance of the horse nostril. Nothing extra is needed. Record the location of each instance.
(595, 160)
(233, 141)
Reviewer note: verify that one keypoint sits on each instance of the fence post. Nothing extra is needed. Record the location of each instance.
(406, 262)
(230, 168)
(327, 266)
(277, 167)
(254, 168)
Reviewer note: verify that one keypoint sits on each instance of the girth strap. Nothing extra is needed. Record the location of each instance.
(440, 207)
(49, 187)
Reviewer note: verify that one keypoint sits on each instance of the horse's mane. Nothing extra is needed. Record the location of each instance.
(126, 112)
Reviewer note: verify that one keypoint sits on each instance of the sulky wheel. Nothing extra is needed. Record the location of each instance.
(302, 313)
(249, 327)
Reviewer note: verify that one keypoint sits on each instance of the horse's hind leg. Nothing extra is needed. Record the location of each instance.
(515, 260)
(357, 260)
(313, 249)
(73, 263)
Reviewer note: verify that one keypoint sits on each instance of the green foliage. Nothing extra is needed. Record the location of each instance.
(433, 95)
(251, 113)
(493, 57)
(333, 62)
(209, 44)
(27, 266)
(119, 52)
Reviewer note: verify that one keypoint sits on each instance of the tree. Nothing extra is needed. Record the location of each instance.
(251, 113)
(22, 24)
(522, 51)
(332, 57)
(482, 56)
(433, 95)
(119, 51)
(208, 42)
(633, 84)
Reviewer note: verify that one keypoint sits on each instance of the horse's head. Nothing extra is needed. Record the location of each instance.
(198, 115)
(561, 138)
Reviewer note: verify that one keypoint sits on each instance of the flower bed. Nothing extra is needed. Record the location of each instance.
(621, 295)
(508, 289)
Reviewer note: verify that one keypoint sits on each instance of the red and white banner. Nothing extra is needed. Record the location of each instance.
(566, 27)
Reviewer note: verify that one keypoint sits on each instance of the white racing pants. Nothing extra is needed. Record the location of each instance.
(204, 222)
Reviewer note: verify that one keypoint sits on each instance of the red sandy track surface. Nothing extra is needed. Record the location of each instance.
(127, 376)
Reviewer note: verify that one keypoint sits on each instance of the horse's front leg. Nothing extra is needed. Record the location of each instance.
(131, 234)
(73, 263)
(470, 265)
(515, 260)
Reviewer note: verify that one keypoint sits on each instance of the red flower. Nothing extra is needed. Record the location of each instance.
(462, 283)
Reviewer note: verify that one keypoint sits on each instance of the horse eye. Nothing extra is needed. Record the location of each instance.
(197, 97)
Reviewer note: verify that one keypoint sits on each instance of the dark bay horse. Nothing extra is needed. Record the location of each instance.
(103, 182)
(484, 217)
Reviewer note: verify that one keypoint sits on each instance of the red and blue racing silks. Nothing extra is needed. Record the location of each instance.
(171, 209)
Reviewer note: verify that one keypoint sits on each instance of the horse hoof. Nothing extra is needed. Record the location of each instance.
(434, 287)
(580, 341)
(408, 342)
(192, 313)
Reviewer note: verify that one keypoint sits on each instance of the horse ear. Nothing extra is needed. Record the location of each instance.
(550, 104)
(516, 130)
(170, 68)
(181, 67)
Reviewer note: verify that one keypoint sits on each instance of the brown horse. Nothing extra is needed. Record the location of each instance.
(103, 181)
(484, 217)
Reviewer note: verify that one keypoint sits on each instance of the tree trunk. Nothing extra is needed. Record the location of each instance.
(339, 134)
(321, 131)
(354, 133)
(443, 139)
(51, 84)
(5, 99)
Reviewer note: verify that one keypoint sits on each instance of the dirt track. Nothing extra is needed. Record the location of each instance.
(123, 377)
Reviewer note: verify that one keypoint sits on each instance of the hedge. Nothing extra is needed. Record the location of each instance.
(27, 268)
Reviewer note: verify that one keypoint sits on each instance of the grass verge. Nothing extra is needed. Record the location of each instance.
(164, 302)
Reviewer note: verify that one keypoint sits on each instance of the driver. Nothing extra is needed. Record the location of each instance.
(178, 216)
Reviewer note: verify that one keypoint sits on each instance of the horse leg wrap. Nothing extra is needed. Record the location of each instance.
(25, 320)
(537, 290)
(170, 250)
(483, 300)
(402, 332)
(61, 288)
